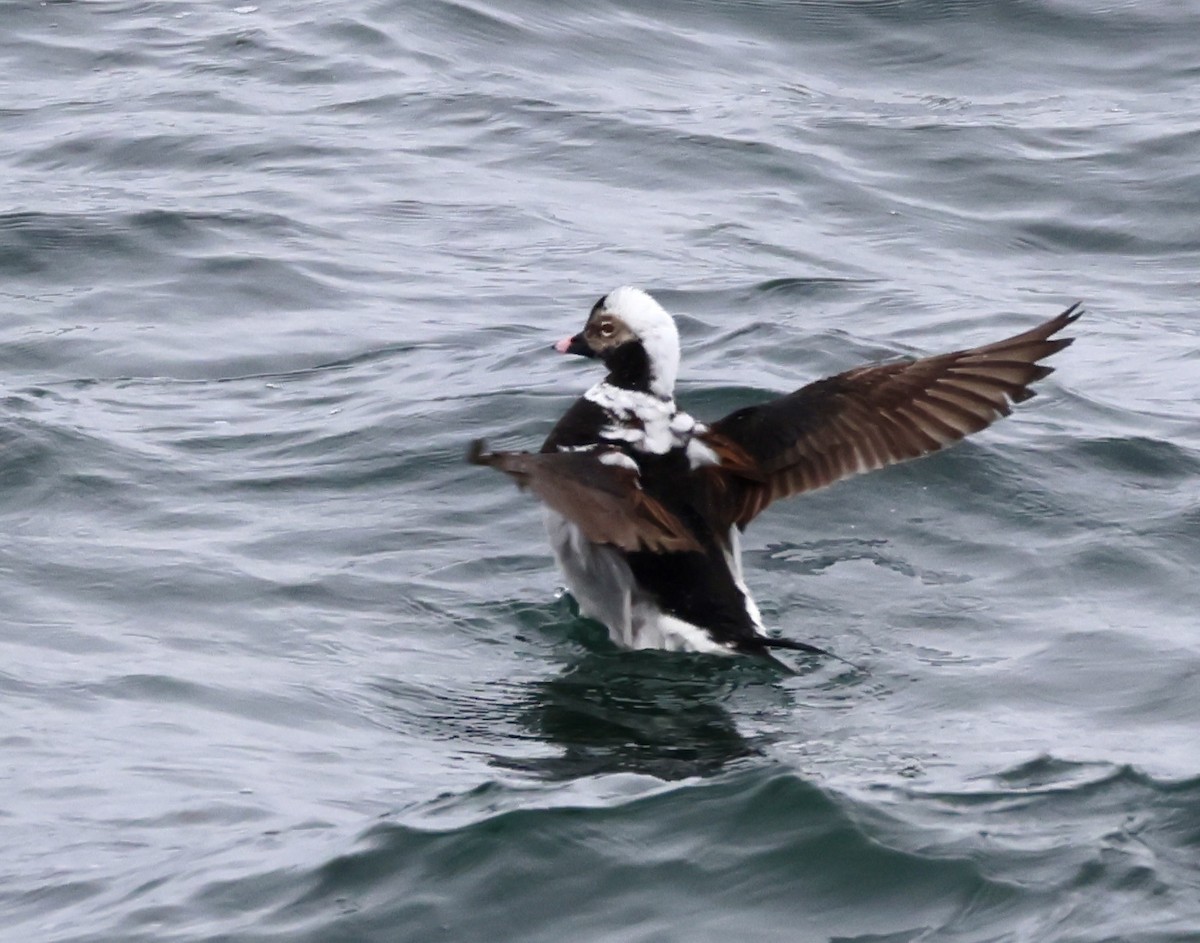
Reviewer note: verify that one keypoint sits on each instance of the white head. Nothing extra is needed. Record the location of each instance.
(636, 339)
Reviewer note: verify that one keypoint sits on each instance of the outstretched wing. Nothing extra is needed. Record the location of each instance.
(869, 417)
(597, 491)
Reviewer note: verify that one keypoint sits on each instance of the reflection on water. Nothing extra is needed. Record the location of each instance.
(633, 713)
(664, 715)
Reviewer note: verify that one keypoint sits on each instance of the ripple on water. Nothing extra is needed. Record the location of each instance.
(765, 843)
(763, 851)
(266, 270)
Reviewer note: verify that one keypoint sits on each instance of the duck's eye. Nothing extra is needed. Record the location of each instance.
(607, 329)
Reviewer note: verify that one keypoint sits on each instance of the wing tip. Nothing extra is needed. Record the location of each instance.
(1073, 313)
(1067, 318)
(477, 453)
(1058, 323)
(1042, 334)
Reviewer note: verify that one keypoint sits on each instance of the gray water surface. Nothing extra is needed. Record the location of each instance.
(275, 664)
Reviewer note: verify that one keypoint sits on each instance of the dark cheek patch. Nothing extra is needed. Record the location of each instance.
(620, 335)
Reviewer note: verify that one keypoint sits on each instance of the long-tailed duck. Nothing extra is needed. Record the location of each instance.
(644, 505)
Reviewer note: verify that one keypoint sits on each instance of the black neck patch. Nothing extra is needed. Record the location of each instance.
(629, 367)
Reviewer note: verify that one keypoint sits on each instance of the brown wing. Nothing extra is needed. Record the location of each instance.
(869, 417)
(605, 501)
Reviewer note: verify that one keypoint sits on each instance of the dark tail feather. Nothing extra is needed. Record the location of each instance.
(790, 644)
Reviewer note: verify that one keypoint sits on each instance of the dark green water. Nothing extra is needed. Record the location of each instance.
(275, 664)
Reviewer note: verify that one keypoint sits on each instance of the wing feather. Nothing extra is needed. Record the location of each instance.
(869, 417)
(605, 501)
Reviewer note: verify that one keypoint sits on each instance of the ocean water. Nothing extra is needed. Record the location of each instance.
(276, 664)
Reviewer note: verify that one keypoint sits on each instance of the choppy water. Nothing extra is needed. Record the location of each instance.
(276, 665)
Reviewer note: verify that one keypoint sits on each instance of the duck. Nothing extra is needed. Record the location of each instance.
(644, 505)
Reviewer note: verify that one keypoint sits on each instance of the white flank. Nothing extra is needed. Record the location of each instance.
(603, 585)
(658, 630)
(597, 576)
(733, 559)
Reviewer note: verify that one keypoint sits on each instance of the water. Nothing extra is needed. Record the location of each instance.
(277, 665)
